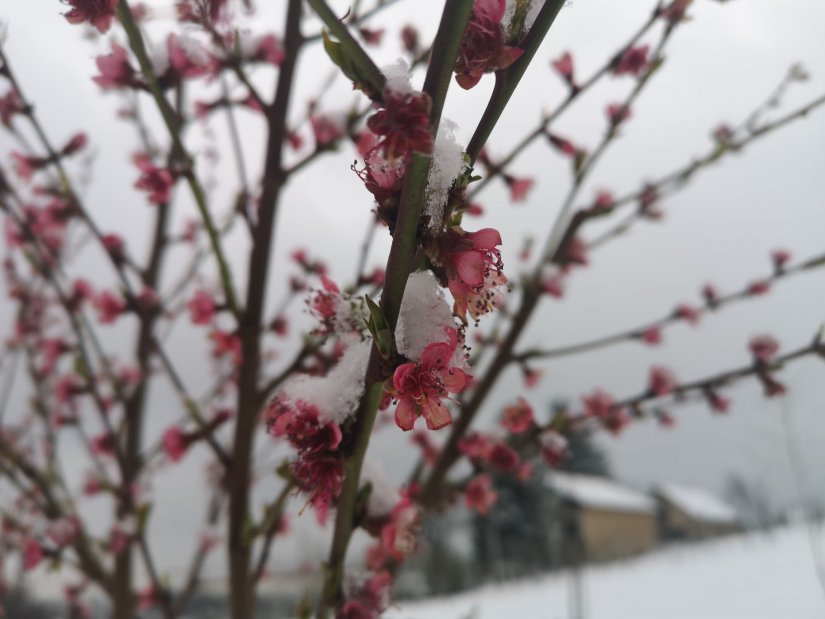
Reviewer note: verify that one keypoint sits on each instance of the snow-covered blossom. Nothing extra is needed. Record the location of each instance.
(319, 468)
(425, 316)
(420, 386)
(447, 164)
(337, 394)
(553, 447)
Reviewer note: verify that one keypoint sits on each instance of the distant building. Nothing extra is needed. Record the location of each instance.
(601, 519)
(692, 513)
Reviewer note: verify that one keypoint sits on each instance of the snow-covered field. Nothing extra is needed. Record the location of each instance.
(744, 577)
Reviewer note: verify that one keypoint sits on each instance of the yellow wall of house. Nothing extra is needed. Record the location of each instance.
(613, 535)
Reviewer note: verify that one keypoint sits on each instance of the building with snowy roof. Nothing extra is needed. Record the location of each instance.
(601, 519)
(690, 513)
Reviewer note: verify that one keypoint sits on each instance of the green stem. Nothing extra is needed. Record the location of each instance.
(507, 80)
(367, 68)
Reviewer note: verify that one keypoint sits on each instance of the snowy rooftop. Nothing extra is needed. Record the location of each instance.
(698, 504)
(599, 493)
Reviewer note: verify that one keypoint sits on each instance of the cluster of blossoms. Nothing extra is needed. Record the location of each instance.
(319, 467)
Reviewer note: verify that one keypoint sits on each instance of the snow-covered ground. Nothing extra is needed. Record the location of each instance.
(743, 577)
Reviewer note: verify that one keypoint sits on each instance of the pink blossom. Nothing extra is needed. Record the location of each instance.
(531, 376)
(109, 307)
(563, 145)
(717, 402)
(476, 446)
(175, 443)
(652, 335)
(183, 62)
(409, 39)
(115, 70)
(759, 287)
(420, 387)
(483, 46)
(63, 531)
(10, 105)
(617, 113)
(119, 540)
(518, 187)
(270, 49)
(675, 12)
(648, 201)
(480, 495)
(689, 314)
(553, 447)
(201, 308)
(226, 344)
(370, 36)
(564, 67)
(780, 258)
(76, 143)
(764, 348)
(633, 61)
(661, 381)
(518, 418)
(503, 458)
(710, 295)
(723, 134)
(32, 554)
(157, 182)
(402, 124)
(319, 468)
(598, 404)
(99, 13)
(104, 444)
(148, 598)
(553, 284)
(400, 535)
(326, 130)
(473, 267)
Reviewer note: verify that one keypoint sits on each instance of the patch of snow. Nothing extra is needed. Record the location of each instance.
(698, 504)
(397, 75)
(425, 316)
(337, 394)
(447, 164)
(599, 493)
(752, 576)
(384, 495)
(194, 49)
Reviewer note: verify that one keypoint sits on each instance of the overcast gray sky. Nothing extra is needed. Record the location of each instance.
(721, 229)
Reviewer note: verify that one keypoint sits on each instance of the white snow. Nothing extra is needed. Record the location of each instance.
(384, 495)
(338, 393)
(447, 164)
(757, 576)
(424, 317)
(598, 492)
(397, 75)
(698, 503)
